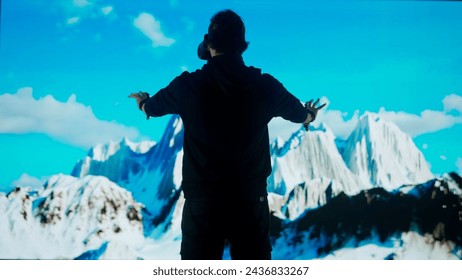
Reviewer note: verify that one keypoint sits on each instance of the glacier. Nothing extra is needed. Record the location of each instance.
(370, 196)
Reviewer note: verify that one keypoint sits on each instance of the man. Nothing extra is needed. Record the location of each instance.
(225, 108)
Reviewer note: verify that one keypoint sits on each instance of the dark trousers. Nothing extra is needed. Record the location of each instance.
(207, 224)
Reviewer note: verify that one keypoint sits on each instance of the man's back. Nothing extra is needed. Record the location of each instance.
(225, 108)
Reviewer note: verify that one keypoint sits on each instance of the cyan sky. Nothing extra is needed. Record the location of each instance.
(401, 59)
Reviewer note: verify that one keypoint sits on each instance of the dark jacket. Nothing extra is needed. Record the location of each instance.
(225, 108)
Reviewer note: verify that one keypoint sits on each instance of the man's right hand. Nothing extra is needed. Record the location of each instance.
(140, 98)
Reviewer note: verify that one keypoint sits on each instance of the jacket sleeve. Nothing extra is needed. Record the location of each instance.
(166, 100)
(285, 104)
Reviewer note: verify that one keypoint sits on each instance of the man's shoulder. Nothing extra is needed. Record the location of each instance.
(186, 75)
(269, 79)
(267, 76)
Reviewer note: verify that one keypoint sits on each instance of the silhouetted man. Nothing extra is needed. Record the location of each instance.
(226, 107)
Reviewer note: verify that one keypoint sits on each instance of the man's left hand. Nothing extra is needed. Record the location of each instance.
(313, 111)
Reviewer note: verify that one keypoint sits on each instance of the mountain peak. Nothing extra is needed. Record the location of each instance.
(322, 127)
(370, 116)
(370, 122)
(103, 152)
(69, 216)
(382, 155)
(280, 147)
(306, 157)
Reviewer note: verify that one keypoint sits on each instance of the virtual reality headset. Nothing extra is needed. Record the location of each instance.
(203, 49)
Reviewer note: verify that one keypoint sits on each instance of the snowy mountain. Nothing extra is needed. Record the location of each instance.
(309, 170)
(371, 196)
(111, 160)
(420, 222)
(68, 218)
(382, 155)
(151, 172)
(312, 167)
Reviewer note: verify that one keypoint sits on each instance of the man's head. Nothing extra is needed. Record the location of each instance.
(226, 34)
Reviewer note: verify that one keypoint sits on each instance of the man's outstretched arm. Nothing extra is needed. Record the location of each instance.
(288, 106)
(165, 101)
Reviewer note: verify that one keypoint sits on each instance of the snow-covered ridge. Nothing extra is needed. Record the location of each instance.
(103, 152)
(310, 171)
(416, 222)
(67, 217)
(309, 156)
(312, 167)
(153, 175)
(382, 155)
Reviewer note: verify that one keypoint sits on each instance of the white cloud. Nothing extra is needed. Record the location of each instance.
(342, 125)
(72, 20)
(443, 157)
(338, 121)
(425, 146)
(69, 122)
(459, 165)
(453, 102)
(107, 10)
(27, 180)
(151, 28)
(278, 127)
(81, 10)
(428, 121)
